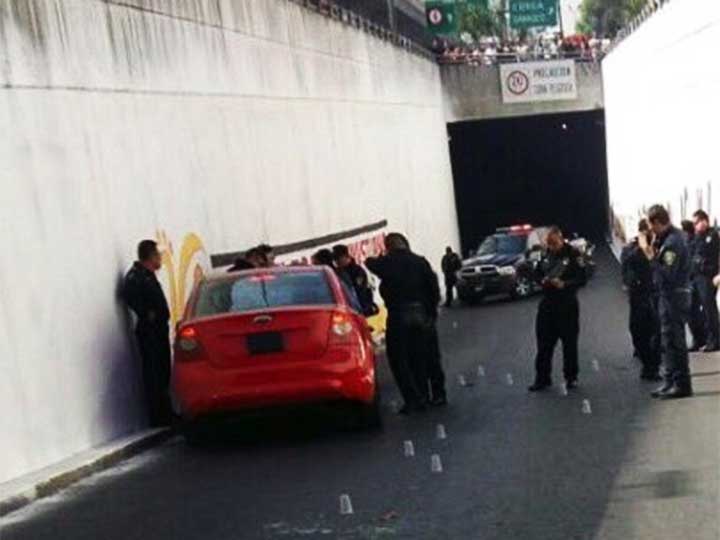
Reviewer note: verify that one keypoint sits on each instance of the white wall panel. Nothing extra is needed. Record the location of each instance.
(212, 128)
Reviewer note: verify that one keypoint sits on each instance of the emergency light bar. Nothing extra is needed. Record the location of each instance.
(515, 229)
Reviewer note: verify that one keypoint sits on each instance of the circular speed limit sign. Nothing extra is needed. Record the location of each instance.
(435, 16)
(518, 83)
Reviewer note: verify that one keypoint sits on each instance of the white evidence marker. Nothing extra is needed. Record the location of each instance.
(409, 449)
(461, 380)
(596, 365)
(563, 389)
(481, 371)
(436, 464)
(455, 325)
(441, 433)
(586, 409)
(510, 380)
(346, 507)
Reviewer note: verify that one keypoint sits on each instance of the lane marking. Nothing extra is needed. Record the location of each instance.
(441, 433)
(586, 409)
(409, 449)
(346, 507)
(435, 464)
(596, 365)
(509, 379)
(481, 371)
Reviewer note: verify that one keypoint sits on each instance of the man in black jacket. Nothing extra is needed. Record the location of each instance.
(357, 277)
(561, 273)
(411, 293)
(705, 255)
(451, 265)
(644, 323)
(143, 293)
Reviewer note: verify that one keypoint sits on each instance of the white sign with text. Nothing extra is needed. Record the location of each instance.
(538, 81)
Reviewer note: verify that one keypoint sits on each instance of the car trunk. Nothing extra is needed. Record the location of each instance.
(265, 338)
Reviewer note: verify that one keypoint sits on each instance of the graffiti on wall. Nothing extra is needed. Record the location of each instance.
(183, 269)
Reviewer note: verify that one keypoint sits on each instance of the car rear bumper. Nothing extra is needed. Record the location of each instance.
(202, 390)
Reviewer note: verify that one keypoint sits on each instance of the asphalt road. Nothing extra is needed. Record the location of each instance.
(604, 462)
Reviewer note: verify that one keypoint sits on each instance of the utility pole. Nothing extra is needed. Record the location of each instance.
(560, 18)
(391, 15)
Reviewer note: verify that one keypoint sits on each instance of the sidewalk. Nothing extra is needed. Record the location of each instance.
(24, 490)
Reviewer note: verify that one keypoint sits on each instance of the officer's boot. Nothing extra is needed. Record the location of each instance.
(666, 387)
(678, 391)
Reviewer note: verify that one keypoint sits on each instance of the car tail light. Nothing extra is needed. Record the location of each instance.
(342, 328)
(187, 344)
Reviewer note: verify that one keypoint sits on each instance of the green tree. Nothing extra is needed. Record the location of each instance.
(480, 21)
(607, 17)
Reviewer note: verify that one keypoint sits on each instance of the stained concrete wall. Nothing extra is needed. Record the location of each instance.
(474, 93)
(210, 124)
(661, 93)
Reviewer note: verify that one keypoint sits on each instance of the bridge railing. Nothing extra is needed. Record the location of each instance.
(351, 18)
(652, 7)
(481, 59)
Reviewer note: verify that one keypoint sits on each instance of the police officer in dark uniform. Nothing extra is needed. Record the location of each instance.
(412, 294)
(670, 263)
(143, 293)
(705, 253)
(357, 277)
(561, 273)
(451, 265)
(644, 323)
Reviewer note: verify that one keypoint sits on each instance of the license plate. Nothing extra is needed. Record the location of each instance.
(265, 343)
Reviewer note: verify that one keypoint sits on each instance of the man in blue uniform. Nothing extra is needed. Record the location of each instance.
(561, 273)
(705, 253)
(144, 295)
(644, 325)
(670, 263)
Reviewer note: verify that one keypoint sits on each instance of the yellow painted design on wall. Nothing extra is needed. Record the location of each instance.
(180, 268)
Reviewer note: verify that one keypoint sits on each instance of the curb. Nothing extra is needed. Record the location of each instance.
(16, 494)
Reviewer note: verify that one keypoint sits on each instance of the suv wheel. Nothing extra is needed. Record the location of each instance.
(523, 287)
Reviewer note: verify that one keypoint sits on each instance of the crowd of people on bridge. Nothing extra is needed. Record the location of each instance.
(493, 51)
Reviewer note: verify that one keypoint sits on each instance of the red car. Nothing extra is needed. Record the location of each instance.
(267, 338)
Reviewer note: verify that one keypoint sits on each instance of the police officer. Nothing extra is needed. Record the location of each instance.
(561, 273)
(670, 262)
(451, 265)
(143, 293)
(705, 253)
(696, 320)
(411, 293)
(357, 277)
(644, 324)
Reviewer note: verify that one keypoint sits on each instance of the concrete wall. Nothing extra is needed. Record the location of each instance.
(662, 110)
(474, 93)
(210, 124)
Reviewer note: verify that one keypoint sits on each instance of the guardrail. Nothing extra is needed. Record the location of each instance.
(515, 58)
(350, 18)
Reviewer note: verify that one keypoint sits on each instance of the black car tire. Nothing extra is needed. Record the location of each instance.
(522, 288)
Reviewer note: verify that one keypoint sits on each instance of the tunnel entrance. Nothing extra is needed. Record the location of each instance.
(546, 169)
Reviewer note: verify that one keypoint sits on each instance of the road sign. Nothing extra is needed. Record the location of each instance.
(538, 81)
(531, 13)
(441, 17)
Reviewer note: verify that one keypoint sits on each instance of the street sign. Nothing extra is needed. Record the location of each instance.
(531, 82)
(531, 13)
(441, 17)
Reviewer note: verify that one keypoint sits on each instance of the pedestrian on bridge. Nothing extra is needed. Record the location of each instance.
(561, 272)
(411, 293)
(671, 263)
(144, 295)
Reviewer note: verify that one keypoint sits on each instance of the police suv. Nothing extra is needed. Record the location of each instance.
(505, 264)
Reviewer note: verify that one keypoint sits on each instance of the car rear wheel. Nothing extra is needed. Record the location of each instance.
(523, 287)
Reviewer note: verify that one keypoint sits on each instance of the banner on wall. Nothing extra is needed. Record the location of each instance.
(532, 82)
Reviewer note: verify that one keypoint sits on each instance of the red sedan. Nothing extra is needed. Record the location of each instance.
(269, 338)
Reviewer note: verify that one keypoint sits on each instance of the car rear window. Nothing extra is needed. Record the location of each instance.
(250, 293)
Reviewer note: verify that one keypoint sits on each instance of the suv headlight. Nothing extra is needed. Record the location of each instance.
(506, 271)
